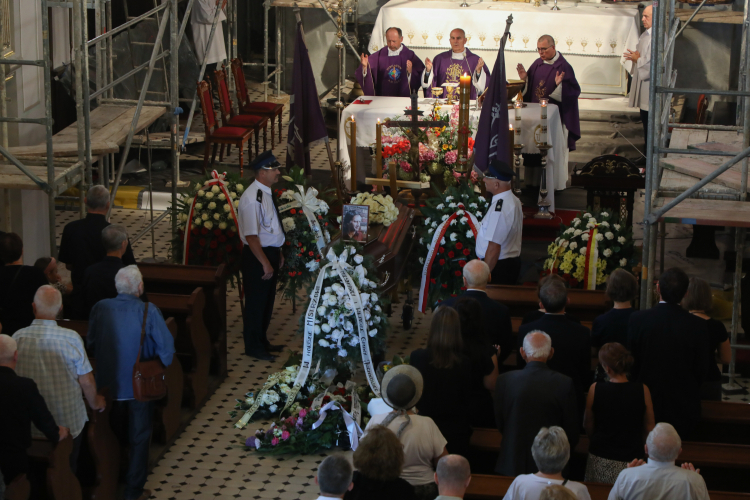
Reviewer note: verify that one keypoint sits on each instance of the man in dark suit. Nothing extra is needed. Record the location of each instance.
(570, 339)
(99, 278)
(529, 399)
(671, 351)
(495, 316)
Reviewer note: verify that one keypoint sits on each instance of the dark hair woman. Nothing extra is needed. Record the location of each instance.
(612, 326)
(619, 415)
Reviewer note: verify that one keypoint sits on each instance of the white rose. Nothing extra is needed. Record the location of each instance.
(430, 231)
(616, 226)
(342, 353)
(236, 203)
(452, 205)
(222, 197)
(585, 236)
(427, 221)
(208, 224)
(198, 221)
(354, 341)
(199, 206)
(326, 328)
(317, 329)
(201, 193)
(607, 252)
(421, 241)
(440, 207)
(623, 262)
(204, 216)
(621, 240)
(227, 207)
(583, 251)
(469, 234)
(590, 225)
(565, 243)
(358, 259)
(573, 245)
(321, 310)
(604, 214)
(473, 205)
(373, 332)
(576, 222)
(454, 236)
(272, 408)
(586, 215)
(332, 300)
(209, 195)
(323, 343)
(448, 198)
(217, 216)
(233, 195)
(445, 217)
(239, 188)
(337, 335)
(609, 235)
(599, 236)
(288, 224)
(222, 225)
(215, 189)
(604, 223)
(421, 260)
(212, 206)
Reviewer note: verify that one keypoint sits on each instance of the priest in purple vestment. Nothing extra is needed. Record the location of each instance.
(393, 71)
(450, 65)
(552, 77)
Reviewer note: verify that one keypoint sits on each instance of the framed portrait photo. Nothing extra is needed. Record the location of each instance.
(354, 223)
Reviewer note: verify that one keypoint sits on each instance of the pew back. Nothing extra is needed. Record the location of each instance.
(584, 304)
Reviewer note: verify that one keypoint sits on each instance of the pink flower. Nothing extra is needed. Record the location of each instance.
(474, 176)
(404, 166)
(426, 154)
(302, 413)
(285, 435)
(299, 423)
(274, 441)
(451, 157)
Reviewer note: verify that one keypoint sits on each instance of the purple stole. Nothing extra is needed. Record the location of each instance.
(449, 70)
(542, 83)
(387, 74)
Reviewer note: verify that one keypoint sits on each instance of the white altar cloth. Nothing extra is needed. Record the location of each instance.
(367, 115)
(592, 37)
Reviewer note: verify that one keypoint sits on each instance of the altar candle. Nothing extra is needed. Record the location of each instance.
(463, 120)
(543, 104)
(378, 151)
(465, 79)
(353, 155)
(511, 142)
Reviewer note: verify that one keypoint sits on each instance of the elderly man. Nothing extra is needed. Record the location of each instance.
(674, 378)
(551, 77)
(114, 336)
(334, 477)
(640, 70)
(81, 245)
(570, 340)
(55, 358)
(394, 70)
(22, 405)
(529, 399)
(99, 278)
(660, 478)
(451, 64)
(452, 476)
(495, 316)
(499, 236)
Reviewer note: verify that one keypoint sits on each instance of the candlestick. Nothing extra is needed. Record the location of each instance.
(378, 151)
(463, 122)
(543, 103)
(543, 204)
(518, 105)
(353, 155)
(517, 147)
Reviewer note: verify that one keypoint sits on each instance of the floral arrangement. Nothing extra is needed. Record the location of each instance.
(456, 247)
(336, 338)
(207, 230)
(382, 209)
(567, 254)
(301, 253)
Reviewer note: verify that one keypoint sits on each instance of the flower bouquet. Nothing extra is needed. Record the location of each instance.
(588, 250)
(444, 277)
(207, 223)
(382, 209)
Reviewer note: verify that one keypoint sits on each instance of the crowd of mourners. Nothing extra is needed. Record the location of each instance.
(636, 407)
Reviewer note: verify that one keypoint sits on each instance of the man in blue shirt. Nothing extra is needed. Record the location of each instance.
(114, 337)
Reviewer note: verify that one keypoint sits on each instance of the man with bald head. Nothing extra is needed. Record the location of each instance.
(452, 476)
(551, 77)
(660, 478)
(394, 71)
(640, 70)
(448, 67)
(529, 399)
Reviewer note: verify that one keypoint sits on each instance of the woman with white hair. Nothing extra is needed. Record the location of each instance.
(551, 452)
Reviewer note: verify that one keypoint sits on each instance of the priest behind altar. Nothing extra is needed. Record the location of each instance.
(393, 71)
(552, 77)
(450, 65)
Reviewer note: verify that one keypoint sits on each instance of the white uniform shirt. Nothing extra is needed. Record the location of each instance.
(258, 217)
(502, 224)
(478, 81)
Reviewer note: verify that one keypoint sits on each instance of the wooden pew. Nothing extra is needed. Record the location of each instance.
(516, 323)
(105, 451)
(18, 489)
(192, 343)
(62, 484)
(488, 487)
(584, 304)
(167, 411)
(182, 280)
(734, 456)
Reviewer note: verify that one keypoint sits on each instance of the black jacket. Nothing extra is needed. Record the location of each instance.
(671, 350)
(99, 282)
(496, 320)
(525, 401)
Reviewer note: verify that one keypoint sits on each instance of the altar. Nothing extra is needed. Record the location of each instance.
(382, 108)
(592, 37)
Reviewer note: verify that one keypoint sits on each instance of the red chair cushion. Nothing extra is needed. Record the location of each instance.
(230, 133)
(251, 121)
(265, 107)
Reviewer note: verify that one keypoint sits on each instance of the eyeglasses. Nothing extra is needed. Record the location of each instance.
(542, 49)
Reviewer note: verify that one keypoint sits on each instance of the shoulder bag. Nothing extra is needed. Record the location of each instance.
(149, 382)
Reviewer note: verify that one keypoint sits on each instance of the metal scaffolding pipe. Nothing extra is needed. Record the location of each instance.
(38, 121)
(728, 128)
(174, 94)
(697, 152)
(126, 76)
(84, 70)
(155, 104)
(127, 24)
(345, 38)
(22, 62)
(31, 175)
(185, 20)
(729, 93)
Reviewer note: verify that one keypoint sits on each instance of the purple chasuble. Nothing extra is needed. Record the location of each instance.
(449, 70)
(542, 83)
(387, 74)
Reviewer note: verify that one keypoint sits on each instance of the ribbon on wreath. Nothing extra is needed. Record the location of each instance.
(309, 203)
(592, 258)
(339, 265)
(216, 179)
(351, 426)
(272, 380)
(434, 245)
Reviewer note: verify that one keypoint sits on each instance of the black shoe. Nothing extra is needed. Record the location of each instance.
(261, 354)
(274, 348)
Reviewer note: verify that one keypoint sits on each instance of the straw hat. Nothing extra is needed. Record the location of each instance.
(402, 387)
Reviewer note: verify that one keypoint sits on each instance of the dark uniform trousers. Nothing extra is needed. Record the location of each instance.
(506, 271)
(259, 297)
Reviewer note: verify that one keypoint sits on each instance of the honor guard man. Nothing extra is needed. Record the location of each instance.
(499, 236)
(262, 235)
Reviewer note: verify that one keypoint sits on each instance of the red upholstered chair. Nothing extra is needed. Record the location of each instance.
(216, 135)
(247, 120)
(270, 110)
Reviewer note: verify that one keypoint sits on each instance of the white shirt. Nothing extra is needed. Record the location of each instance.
(479, 82)
(391, 53)
(530, 487)
(658, 480)
(259, 218)
(502, 224)
(557, 93)
(201, 20)
(641, 73)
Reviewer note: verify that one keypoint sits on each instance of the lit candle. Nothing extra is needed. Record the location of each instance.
(353, 155)
(465, 79)
(511, 143)
(378, 151)
(518, 105)
(543, 104)
(463, 122)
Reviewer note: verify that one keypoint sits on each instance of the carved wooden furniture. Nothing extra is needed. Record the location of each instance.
(62, 484)
(241, 119)
(271, 110)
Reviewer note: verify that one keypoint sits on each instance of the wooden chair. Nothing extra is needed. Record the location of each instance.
(271, 110)
(243, 118)
(215, 134)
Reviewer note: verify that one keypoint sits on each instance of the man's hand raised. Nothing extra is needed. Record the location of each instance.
(408, 67)
(559, 77)
(364, 59)
(636, 463)
(427, 65)
(521, 72)
(480, 65)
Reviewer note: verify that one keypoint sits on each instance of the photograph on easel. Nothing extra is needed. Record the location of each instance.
(354, 223)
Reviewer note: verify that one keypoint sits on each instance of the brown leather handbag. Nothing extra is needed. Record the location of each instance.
(149, 382)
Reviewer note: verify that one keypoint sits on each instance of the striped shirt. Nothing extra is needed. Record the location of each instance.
(54, 358)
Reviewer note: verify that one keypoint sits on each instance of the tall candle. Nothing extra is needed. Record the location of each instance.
(543, 104)
(465, 79)
(378, 151)
(511, 142)
(463, 122)
(353, 155)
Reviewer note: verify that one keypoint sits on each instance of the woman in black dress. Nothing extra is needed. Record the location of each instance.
(698, 301)
(446, 372)
(619, 415)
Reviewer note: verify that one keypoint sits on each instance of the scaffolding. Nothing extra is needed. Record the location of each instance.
(686, 205)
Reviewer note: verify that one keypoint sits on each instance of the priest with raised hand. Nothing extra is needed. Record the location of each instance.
(450, 65)
(553, 78)
(393, 71)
